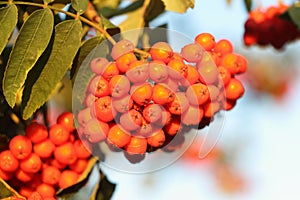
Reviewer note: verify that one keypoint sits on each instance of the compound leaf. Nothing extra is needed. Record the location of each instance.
(67, 40)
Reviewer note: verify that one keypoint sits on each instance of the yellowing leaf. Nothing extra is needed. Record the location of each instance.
(65, 46)
(31, 42)
(179, 6)
(135, 20)
(8, 21)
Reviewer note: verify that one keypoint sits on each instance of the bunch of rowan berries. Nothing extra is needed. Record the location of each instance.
(266, 27)
(139, 105)
(43, 161)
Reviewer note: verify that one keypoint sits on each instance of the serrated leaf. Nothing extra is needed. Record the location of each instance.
(248, 5)
(179, 6)
(31, 42)
(74, 190)
(8, 21)
(80, 5)
(66, 43)
(86, 49)
(294, 13)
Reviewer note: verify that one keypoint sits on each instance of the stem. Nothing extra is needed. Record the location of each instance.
(75, 16)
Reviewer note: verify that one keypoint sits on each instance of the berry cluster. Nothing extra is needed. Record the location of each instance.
(44, 161)
(139, 105)
(264, 27)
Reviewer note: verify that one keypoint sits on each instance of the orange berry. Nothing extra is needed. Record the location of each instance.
(58, 134)
(8, 162)
(141, 94)
(36, 132)
(20, 146)
(124, 61)
(67, 120)
(234, 63)
(224, 75)
(211, 108)
(208, 74)
(223, 47)
(51, 175)
(162, 95)
(173, 127)
(177, 69)
(179, 105)
(103, 109)
(119, 86)
(66, 153)
(138, 72)
(79, 166)
(118, 136)
(26, 191)
(6, 175)
(152, 112)
(83, 150)
(234, 89)
(98, 86)
(110, 71)
(57, 164)
(44, 149)
(137, 145)
(157, 138)
(192, 116)
(46, 190)
(206, 40)
(161, 51)
(24, 176)
(96, 131)
(68, 178)
(31, 164)
(35, 196)
(192, 76)
(131, 120)
(197, 94)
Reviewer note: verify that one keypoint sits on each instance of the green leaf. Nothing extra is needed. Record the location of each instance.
(79, 5)
(8, 21)
(248, 5)
(294, 13)
(66, 43)
(31, 42)
(179, 6)
(86, 49)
